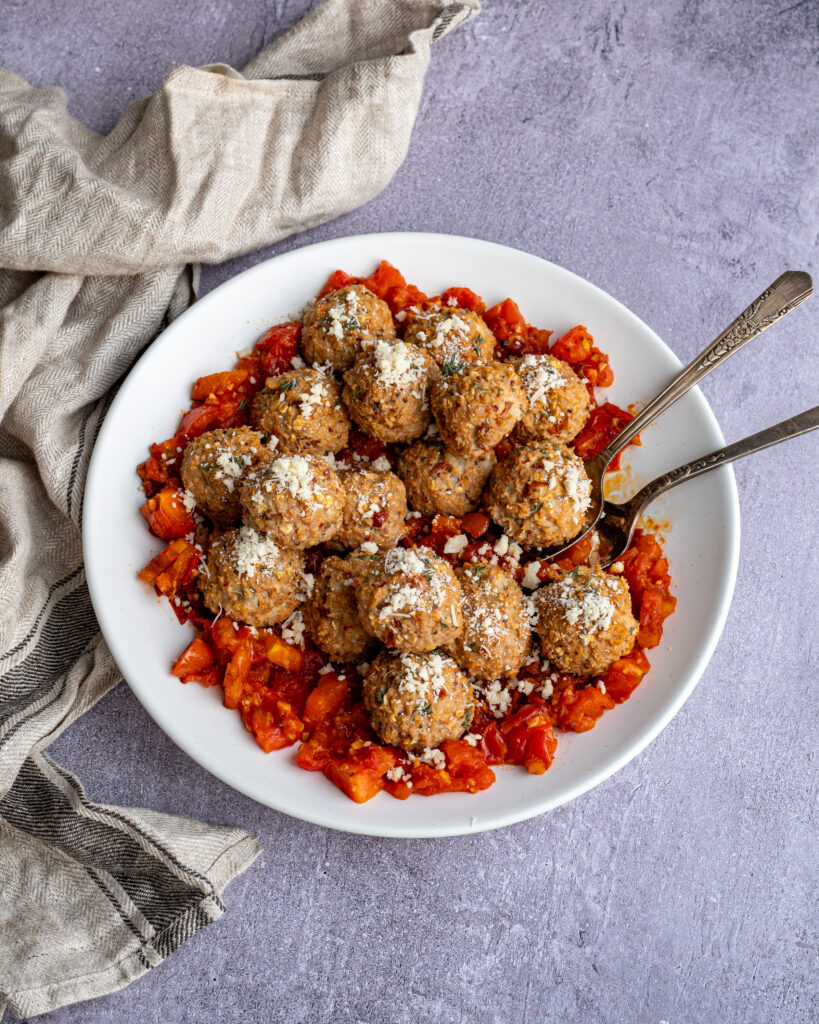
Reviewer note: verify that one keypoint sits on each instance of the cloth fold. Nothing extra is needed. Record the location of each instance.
(97, 240)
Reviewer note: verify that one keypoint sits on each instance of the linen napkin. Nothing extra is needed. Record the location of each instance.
(97, 235)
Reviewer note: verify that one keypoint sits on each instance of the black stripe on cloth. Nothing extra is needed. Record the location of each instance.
(99, 881)
(65, 635)
(446, 17)
(37, 806)
(51, 592)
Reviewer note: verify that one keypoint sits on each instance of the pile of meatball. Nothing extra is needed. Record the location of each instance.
(430, 638)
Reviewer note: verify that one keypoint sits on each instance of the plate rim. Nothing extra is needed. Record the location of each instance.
(582, 785)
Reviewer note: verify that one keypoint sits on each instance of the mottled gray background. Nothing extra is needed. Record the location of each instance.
(667, 151)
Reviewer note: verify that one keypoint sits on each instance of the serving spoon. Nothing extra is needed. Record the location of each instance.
(787, 292)
(617, 522)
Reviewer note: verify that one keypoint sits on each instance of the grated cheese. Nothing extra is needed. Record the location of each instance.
(293, 628)
(252, 551)
(292, 473)
(395, 365)
(456, 544)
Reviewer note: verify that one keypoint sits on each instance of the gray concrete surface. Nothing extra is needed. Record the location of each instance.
(666, 151)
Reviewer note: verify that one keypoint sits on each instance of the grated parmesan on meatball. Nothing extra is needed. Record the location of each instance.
(302, 410)
(585, 621)
(454, 337)
(412, 601)
(297, 500)
(558, 400)
(340, 323)
(214, 466)
(540, 495)
(416, 701)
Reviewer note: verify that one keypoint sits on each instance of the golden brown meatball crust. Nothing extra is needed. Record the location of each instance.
(539, 495)
(336, 326)
(497, 638)
(412, 602)
(303, 410)
(213, 467)
(251, 579)
(375, 508)
(558, 400)
(386, 390)
(331, 611)
(440, 481)
(296, 500)
(417, 701)
(584, 621)
(454, 337)
(475, 409)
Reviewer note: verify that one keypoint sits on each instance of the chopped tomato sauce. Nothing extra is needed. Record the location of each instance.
(287, 694)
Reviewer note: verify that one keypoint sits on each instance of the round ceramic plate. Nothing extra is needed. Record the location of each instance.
(702, 538)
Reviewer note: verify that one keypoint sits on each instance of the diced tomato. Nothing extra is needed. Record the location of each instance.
(505, 320)
(625, 675)
(529, 737)
(578, 710)
(493, 744)
(604, 424)
(196, 421)
(577, 349)
(166, 514)
(466, 771)
(464, 298)
(360, 775)
(236, 674)
(272, 720)
(338, 279)
(577, 554)
(325, 699)
(161, 467)
(475, 524)
(172, 568)
(290, 686)
(277, 347)
(215, 386)
(226, 635)
(213, 676)
(388, 283)
(196, 657)
(283, 654)
(334, 736)
(367, 447)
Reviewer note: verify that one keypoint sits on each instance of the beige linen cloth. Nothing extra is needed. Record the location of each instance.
(96, 240)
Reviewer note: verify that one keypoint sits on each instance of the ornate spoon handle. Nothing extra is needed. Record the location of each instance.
(784, 295)
(793, 427)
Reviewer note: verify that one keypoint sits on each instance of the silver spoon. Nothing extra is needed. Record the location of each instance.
(787, 292)
(617, 522)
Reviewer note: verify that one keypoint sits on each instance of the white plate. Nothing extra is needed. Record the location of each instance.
(146, 638)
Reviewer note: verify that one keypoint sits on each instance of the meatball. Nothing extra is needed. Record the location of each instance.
(302, 409)
(213, 467)
(439, 481)
(375, 506)
(497, 637)
(386, 390)
(331, 611)
(540, 495)
(558, 400)
(297, 500)
(417, 701)
(251, 579)
(478, 407)
(336, 326)
(412, 601)
(454, 337)
(584, 621)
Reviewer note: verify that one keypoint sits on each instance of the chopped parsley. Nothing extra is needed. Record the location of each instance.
(452, 365)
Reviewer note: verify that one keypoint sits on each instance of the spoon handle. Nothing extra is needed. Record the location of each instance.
(778, 299)
(783, 431)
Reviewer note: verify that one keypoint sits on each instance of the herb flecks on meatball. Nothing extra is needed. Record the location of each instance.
(386, 390)
(585, 621)
(540, 495)
(303, 411)
(375, 509)
(497, 637)
(251, 578)
(558, 400)
(297, 500)
(213, 467)
(413, 603)
(475, 409)
(331, 612)
(416, 701)
(442, 482)
(337, 326)
(454, 337)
